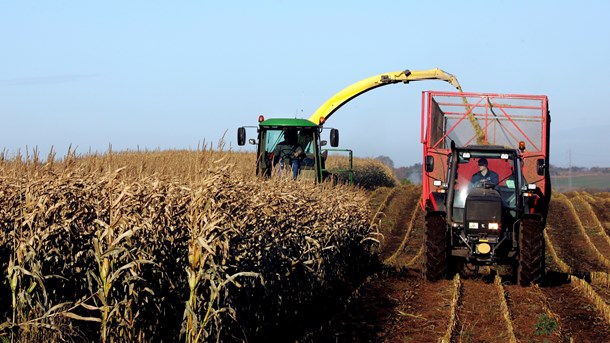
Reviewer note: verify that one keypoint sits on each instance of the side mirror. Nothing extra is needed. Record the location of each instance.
(334, 138)
(540, 167)
(429, 164)
(241, 136)
(323, 143)
(252, 141)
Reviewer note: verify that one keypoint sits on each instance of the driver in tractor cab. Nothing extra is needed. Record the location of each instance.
(306, 143)
(288, 152)
(485, 177)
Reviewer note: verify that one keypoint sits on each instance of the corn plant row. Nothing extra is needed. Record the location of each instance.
(601, 203)
(405, 239)
(547, 310)
(382, 207)
(455, 300)
(134, 256)
(588, 292)
(588, 212)
(600, 279)
(376, 221)
(418, 258)
(186, 164)
(550, 248)
(583, 232)
(505, 311)
(370, 174)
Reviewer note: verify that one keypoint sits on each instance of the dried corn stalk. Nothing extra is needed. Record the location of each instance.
(131, 246)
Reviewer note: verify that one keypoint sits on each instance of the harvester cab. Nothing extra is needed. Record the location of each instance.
(294, 147)
(486, 187)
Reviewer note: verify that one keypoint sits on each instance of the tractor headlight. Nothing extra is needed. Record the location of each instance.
(473, 225)
(483, 248)
(493, 226)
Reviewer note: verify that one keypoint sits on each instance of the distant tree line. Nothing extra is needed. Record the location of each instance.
(413, 173)
(559, 171)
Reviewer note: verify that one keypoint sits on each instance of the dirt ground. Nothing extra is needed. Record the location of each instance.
(399, 305)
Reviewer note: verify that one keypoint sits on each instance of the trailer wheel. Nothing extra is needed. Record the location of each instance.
(437, 248)
(531, 256)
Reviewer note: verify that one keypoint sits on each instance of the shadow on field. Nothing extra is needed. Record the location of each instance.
(365, 316)
(555, 279)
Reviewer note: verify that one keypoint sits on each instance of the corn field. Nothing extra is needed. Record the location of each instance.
(369, 173)
(172, 246)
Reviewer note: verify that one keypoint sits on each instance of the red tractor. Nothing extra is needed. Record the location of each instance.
(486, 185)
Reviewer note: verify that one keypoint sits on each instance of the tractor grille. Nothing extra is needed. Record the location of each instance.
(483, 207)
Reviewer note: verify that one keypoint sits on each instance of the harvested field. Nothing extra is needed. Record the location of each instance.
(410, 309)
(569, 240)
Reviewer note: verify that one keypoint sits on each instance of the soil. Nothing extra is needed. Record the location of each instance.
(399, 305)
(479, 314)
(411, 252)
(529, 312)
(397, 222)
(578, 317)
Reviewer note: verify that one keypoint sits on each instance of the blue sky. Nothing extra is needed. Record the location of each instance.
(170, 75)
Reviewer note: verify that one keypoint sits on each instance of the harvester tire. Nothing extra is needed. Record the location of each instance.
(531, 256)
(437, 248)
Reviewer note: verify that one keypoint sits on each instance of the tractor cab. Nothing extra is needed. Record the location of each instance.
(483, 198)
(291, 147)
(484, 171)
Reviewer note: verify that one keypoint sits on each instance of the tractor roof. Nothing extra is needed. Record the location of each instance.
(489, 147)
(291, 122)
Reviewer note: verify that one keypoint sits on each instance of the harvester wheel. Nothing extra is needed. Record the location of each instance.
(531, 256)
(437, 249)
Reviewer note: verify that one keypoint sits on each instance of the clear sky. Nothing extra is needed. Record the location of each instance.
(173, 74)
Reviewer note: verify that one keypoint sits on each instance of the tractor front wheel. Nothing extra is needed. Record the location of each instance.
(531, 255)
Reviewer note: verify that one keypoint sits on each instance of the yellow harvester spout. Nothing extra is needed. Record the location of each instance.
(345, 95)
(354, 90)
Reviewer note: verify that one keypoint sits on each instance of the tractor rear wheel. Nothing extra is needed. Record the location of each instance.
(531, 255)
(437, 248)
